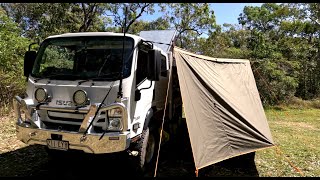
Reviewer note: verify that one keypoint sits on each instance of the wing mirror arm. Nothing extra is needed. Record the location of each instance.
(137, 95)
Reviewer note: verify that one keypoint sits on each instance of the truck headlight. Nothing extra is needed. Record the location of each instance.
(114, 119)
(80, 97)
(41, 94)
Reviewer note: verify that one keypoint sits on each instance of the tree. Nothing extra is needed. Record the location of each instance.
(191, 20)
(12, 48)
(228, 41)
(158, 24)
(276, 74)
(303, 28)
(134, 12)
(39, 20)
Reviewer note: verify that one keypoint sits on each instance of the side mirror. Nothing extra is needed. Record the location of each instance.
(137, 95)
(154, 65)
(29, 58)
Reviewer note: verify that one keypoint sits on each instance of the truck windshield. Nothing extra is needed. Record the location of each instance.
(86, 57)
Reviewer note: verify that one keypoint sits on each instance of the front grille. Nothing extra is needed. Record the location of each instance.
(69, 121)
(62, 116)
(98, 129)
(101, 120)
(59, 126)
(65, 119)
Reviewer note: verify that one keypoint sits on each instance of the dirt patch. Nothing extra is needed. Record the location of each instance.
(296, 125)
(8, 141)
(176, 160)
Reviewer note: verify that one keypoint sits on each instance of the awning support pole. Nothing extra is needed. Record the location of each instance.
(197, 172)
(164, 114)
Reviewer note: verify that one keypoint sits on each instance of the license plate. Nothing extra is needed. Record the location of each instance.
(57, 144)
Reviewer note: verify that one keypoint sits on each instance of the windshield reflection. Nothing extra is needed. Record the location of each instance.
(71, 58)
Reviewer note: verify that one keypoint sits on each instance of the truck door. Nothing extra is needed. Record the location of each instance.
(143, 84)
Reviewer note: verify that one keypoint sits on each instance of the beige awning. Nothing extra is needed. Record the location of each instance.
(224, 113)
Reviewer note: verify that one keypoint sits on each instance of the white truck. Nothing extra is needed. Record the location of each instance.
(97, 92)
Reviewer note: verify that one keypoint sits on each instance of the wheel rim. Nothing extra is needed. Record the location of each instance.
(150, 148)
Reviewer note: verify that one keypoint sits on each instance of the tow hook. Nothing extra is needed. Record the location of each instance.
(32, 134)
(133, 153)
(83, 139)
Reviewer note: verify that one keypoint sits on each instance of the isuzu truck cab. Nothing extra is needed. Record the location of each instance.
(97, 92)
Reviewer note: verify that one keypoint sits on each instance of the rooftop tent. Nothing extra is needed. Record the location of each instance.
(223, 110)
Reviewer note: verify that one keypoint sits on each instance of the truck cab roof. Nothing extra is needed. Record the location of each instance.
(93, 34)
(135, 37)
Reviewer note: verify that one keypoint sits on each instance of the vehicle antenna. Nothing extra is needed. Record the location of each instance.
(122, 64)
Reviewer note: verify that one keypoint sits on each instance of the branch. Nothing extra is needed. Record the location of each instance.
(92, 8)
(93, 11)
(314, 20)
(117, 17)
(84, 9)
(189, 29)
(139, 15)
(82, 27)
(88, 16)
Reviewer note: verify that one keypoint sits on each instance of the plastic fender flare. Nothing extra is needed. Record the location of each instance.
(148, 118)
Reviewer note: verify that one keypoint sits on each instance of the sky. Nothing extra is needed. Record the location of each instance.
(229, 12)
(224, 12)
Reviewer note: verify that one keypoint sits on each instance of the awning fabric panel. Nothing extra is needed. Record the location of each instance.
(224, 113)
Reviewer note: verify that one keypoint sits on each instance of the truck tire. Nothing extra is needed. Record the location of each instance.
(146, 147)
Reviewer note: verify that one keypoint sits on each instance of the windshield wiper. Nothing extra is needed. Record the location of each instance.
(86, 80)
(36, 79)
(100, 77)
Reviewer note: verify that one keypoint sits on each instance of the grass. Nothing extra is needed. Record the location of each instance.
(8, 141)
(296, 132)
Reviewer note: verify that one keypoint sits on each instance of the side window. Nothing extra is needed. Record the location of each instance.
(141, 66)
(164, 66)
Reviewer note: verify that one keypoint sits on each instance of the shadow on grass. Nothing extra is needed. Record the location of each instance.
(175, 160)
(34, 161)
(241, 166)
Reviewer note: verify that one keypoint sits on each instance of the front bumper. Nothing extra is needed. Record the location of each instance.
(111, 142)
(32, 133)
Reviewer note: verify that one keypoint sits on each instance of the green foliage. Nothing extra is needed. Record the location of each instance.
(133, 13)
(282, 41)
(40, 20)
(275, 85)
(284, 35)
(12, 48)
(158, 24)
(191, 20)
(55, 57)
